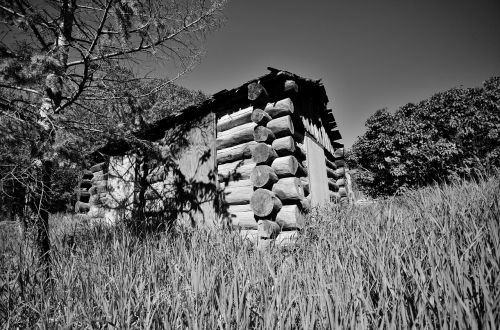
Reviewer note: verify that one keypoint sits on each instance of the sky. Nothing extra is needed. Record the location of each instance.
(369, 54)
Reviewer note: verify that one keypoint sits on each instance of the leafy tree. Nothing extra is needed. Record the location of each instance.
(57, 56)
(453, 133)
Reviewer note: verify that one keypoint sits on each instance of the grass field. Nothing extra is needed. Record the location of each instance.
(430, 259)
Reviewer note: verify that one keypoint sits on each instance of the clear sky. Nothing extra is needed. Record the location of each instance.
(369, 54)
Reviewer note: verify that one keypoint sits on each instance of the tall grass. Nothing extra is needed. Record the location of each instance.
(428, 260)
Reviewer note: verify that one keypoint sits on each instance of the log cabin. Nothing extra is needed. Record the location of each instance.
(256, 157)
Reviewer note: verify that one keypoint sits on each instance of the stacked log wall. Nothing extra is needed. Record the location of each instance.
(262, 174)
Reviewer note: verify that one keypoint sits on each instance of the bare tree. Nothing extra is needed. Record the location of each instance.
(58, 55)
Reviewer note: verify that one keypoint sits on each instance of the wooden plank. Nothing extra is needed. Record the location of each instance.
(281, 108)
(282, 126)
(290, 217)
(237, 192)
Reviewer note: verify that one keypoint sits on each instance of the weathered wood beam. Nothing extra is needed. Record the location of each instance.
(236, 152)
(238, 170)
(287, 166)
(289, 189)
(281, 108)
(81, 207)
(263, 176)
(263, 134)
(238, 118)
(268, 229)
(290, 217)
(257, 94)
(340, 182)
(260, 117)
(242, 216)
(237, 192)
(332, 185)
(98, 167)
(284, 146)
(236, 135)
(282, 126)
(342, 192)
(264, 202)
(291, 86)
(330, 164)
(264, 154)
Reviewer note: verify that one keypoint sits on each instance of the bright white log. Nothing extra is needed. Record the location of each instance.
(263, 154)
(260, 117)
(264, 202)
(340, 172)
(263, 176)
(280, 108)
(284, 146)
(234, 119)
(287, 166)
(342, 192)
(286, 238)
(98, 167)
(242, 219)
(281, 126)
(290, 217)
(237, 192)
(340, 182)
(236, 152)
(263, 134)
(236, 135)
(268, 229)
(289, 189)
(238, 170)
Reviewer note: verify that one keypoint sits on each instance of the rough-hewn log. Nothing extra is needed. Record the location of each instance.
(263, 134)
(263, 176)
(260, 117)
(291, 86)
(236, 152)
(284, 146)
(234, 119)
(290, 217)
(257, 93)
(289, 189)
(330, 164)
(340, 162)
(287, 166)
(287, 238)
(342, 192)
(330, 173)
(264, 202)
(305, 185)
(242, 218)
(339, 153)
(281, 126)
(332, 185)
(340, 172)
(263, 154)
(237, 192)
(280, 108)
(81, 207)
(236, 135)
(98, 167)
(268, 229)
(238, 170)
(340, 182)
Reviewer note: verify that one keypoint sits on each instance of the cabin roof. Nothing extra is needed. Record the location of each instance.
(226, 100)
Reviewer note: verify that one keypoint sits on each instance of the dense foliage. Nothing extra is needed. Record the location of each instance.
(427, 260)
(453, 133)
